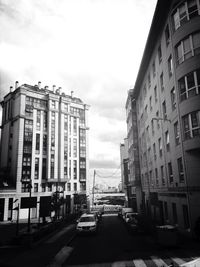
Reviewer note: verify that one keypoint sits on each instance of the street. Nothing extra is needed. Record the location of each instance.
(113, 245)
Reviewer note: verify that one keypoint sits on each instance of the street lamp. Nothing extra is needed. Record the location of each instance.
(29, 186)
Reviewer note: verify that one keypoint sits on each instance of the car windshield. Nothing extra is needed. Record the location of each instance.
(87, 219)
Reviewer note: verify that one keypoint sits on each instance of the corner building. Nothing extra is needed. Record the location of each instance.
(167, 95)
(44, 144)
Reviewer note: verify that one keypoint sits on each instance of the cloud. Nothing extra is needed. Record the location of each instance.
(93, 47)
(102, 163)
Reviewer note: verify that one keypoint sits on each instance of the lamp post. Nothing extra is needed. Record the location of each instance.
(29, 186)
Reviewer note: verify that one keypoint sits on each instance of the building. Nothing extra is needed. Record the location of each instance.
(44, 151)
(124, 165)
(167, 100)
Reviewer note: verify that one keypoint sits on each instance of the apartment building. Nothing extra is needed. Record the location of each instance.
(167, 99)
(44, 150)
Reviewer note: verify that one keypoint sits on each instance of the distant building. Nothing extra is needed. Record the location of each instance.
(167, 105)
(44, 145)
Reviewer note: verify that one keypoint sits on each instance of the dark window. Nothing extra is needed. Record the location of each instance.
(180, 170)
(186, 217)
(174, 211)
(167, 35)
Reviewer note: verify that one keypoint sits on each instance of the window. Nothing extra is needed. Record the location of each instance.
(189, 85)
(43, 188)
(170, 172)
(160, 146)
(173, 99)
(44, 166)
(186, 217)
(26, 161)
(74, 126)
(159, 54)
(161, 82)
(37, 144)
(49, 187)
(68, 187)
(180, 170)
(164, 108)
(82, 186)
(65, 107)
(156, 174)
(188, 47)
(150, 103)
(75, 186)
(162, 175)
(158, 122)
(152, 126)
(75, 169)
(38, 120)
(35, 187)
(52, 166)
(154, 151)
(167, 35)
(154, 69)
(149, 80)
(36, 168)
(191, 125)
(174, 211)
(170, 66)
(167, 141)
(75, 147)
(24, 188)
(53, 104)
(45, 121)
(185, 11)
(177, 133)
(155, 94)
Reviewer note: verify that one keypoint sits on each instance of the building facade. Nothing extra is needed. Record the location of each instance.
(44, 151)
(167, 99)
(124, 165)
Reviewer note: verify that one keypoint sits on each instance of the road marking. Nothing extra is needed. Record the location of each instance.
(121, 264)
(139, 263)
(61, 257)
(59, 234)
(178, 260)
(159, 262)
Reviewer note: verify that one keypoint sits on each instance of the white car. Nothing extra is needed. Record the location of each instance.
(87, 224)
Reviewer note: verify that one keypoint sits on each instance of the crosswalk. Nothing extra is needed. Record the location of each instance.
(151, 261)
(155, 261)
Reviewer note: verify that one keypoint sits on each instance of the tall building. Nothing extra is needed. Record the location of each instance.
(167, 99)
(44, 150)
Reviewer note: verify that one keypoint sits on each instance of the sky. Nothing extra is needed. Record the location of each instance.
(91, 47)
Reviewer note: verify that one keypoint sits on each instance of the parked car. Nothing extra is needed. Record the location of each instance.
(125, 211)
(122, 211)
(87, 224)
(132, 222)
(130, 216)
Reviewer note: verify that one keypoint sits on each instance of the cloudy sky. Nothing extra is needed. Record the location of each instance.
(93, 47)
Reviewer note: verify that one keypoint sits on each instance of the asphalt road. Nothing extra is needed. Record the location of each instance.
(112, 243)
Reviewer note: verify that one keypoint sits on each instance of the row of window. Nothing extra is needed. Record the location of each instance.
(152, 179)
(188, 47)
(185, 12)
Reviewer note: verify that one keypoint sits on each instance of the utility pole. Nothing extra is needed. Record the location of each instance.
(93, 188)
